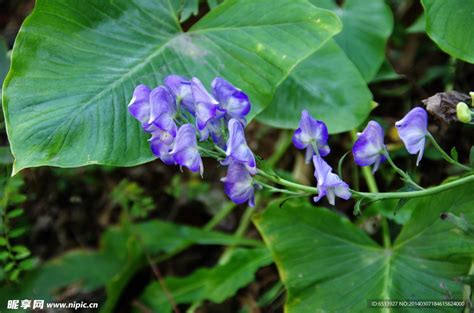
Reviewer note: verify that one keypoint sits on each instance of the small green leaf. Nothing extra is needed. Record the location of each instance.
(3, 241)
(4, 255)
(454, 153)
(15, 213)
(14, 274)
(27, 264)
(21, 252)
(190, 7)
(8, 267)
(17, 232)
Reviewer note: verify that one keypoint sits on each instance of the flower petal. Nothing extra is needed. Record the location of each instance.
(238, 184)
(413, 129)
(369, 146)
(185, 151)
(139, 106)
(237, 148)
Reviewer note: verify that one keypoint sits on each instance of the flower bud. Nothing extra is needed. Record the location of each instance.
(472, 98)
(463, 112)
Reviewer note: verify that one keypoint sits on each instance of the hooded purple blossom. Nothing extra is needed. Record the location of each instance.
(206, 107)
(162, 111)
(369, 147)
(162, 151)
(312, 135)
(139, 106)
(232, 100)
(413, 129)
(237, 148)
(180, 87)
(185, 151)
(329, 184)
(238, 184)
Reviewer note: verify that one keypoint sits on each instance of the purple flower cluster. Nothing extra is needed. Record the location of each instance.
(182, 111)
(312, 135)
(369, 148)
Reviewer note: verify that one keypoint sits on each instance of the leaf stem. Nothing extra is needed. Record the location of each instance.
(277, 179)
(445, 155)
(401, 172)
(222, 214)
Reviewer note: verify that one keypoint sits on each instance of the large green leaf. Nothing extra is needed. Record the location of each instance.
(215, 284)
(328, 85)
(76, 63)
(329, 265)
(449, 24)
(367, 26)
(120, 256)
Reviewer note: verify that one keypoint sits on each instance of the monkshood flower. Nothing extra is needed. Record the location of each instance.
(205, 106)
(413, 129)
(237, 148)
(238, 184)
(232, 100)
(139, 106)
(180, 87)
(369, 147)
(162, 150)
(185, 149)
(329, 184)
(311, 135)
(162, 110)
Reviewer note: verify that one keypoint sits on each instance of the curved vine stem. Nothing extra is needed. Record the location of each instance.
(445, 155)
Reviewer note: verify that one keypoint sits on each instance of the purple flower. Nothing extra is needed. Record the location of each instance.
(162, 111)
(231, 99)
(180, 87)
(413, 129)
(238, 184)
(162, 150)
(369, 147)
(206, 107)
(185, 151)
(139, 106)
(237, 148)
(329, 184)
(312, 135)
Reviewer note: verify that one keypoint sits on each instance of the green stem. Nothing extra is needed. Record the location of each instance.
(222, 214)
(278, 190)
(400, 172)
(373, 188)
(282, 145)
(445, 155)
(416, 193)
(287, 183)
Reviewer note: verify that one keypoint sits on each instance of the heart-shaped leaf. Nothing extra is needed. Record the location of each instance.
(448, 24)
(328, 264)
(76, 63)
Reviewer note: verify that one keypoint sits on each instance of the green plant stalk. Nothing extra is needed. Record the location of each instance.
(400, 172)
(283, 182)
(378, 195)
(284, 141)
(372, 185)
(222, 214)
(445, 155)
